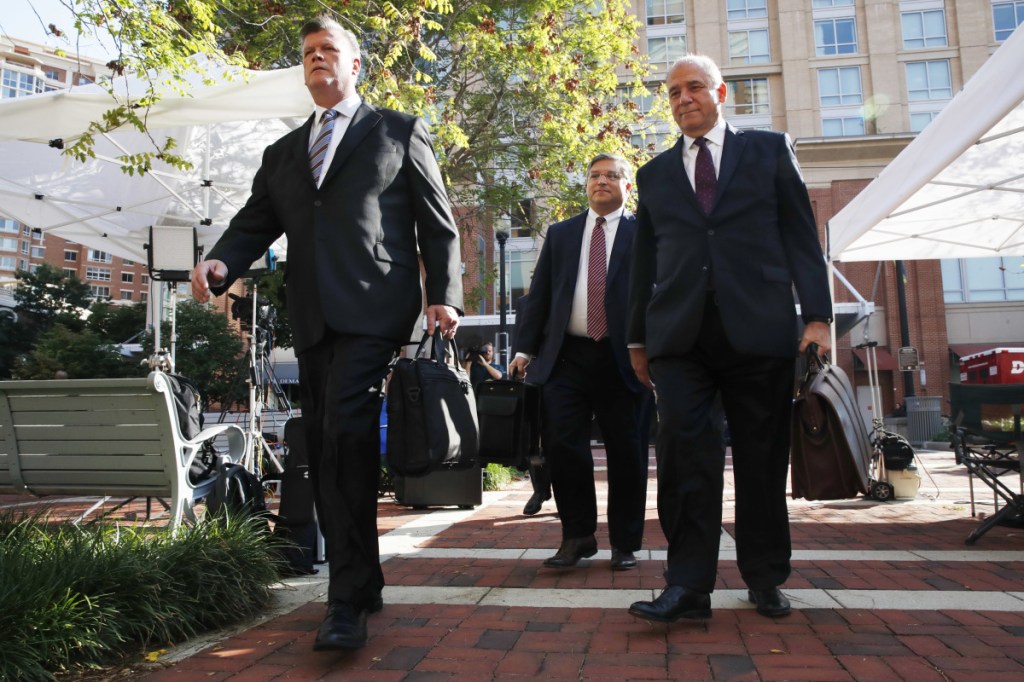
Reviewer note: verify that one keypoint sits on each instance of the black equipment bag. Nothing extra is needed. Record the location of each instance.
(896, 451)
(296, 521)
(831, 451)
(238, 492)
(509, 412)
(432, 421)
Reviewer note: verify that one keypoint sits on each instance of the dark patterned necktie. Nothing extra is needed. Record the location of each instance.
(704, 177)
(318, 150)
(597, 273)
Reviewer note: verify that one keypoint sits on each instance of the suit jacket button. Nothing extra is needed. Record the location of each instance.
(711, 232)
(318, 203)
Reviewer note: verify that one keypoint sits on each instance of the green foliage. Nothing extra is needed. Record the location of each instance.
(80, 354)
(47, 297)
(117, 323)
(73, 597)
(497, 477)
(208, 352)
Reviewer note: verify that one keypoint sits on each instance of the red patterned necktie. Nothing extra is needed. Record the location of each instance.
(597, 274)
(318, 150)
(704, 177)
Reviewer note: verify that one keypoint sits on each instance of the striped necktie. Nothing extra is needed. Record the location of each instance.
(704, 177)
(318, 150)
(597, 274)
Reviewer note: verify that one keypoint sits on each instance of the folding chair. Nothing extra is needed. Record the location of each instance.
(986, 437)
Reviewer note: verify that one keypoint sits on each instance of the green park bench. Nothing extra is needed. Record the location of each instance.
(107, 438)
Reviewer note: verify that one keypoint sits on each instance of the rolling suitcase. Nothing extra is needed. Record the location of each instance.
(296, 519)
(509, 414)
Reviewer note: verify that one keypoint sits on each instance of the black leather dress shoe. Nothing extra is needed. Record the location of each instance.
(571, 551)
(622, 561)
(675, 603)
(770, 602)
(344, 628)
(377, 604)
(534, 504)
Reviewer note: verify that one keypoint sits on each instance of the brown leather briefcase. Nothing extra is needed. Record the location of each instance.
(831, 450)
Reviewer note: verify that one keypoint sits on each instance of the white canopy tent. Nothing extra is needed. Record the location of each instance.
(957, 191)
(221, 126)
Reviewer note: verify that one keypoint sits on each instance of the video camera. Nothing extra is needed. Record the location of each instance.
(241, 310)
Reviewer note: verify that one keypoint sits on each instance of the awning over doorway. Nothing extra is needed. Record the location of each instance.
(886, 362)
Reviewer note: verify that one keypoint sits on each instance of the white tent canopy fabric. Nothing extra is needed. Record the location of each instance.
(221, 126)
(957, 191)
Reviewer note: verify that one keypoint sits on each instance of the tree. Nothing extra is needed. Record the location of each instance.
(117, 323)
(47, 297)
(81, 354)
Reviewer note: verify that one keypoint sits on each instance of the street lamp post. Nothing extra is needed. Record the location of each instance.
(501, 234)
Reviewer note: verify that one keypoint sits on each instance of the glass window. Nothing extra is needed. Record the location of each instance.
(98, 274)
(835, 36)
(1006, 16)
(749, 47)
(17, 84)
(8, 244)
(7, 262)
(832, 3)
(144, 296)
(38, 251)
(841, 126)
(70, 255)
(839, 86)
(929, 80)
(99, 256)
(665, 50)
(8, 225)
(660, 12)
(127, 277)
(126, 294)
(99, 293)
(983, 279)
(519, 271)
(747, 9)
(747, 96)
(924, 29)
(920, 119)
(128, 262)
(145, 280)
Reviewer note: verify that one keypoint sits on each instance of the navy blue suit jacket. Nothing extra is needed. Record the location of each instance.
(758, 245)
(541, 326)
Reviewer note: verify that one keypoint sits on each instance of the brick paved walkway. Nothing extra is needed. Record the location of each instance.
(880, 592)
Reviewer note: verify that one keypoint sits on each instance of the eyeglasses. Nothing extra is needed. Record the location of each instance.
(612, 176)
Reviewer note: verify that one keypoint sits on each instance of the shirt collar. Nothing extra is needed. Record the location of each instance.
(346, 107)
(592, 215)
(716, 135)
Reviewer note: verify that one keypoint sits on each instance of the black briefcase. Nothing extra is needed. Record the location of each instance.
(296, 519)
(509, 413)
(432, 421)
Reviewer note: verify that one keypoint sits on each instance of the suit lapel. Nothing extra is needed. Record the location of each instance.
(732, 151)
(571, 268)
(623, 240)
(365, 119)
(300, 149)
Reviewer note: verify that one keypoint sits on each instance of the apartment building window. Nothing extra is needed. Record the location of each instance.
(38, 251)
(842, 126)
(127, 277)
(749, 46)
(519, 266)
(1007, 16)
(831, 3)
(70, 255)
(144, 279)
(99, 256)
(835, 36)
(643, 99)
(98, 274)
(840, 96)
(747, 9)
(24, 248)
(663, 51)
(128, 262)
(521, 216)
(654, 141)
(976, 280)
(929, 80)
(70, 272)
(660, 12)
(7, 262)
(99, 293)
(747, 96)
(8, 225)
(923, 29)
(126, 294)
(17, 84)
(144, 296)
(8, 244)
(920, 119)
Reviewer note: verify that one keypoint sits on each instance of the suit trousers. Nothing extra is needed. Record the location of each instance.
(756, 394)
(586, 384)
(341, 379)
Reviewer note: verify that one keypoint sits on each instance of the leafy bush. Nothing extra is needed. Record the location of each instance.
(74, 597)
(498, 477)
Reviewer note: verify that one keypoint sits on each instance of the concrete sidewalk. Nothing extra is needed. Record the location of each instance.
(881, 591)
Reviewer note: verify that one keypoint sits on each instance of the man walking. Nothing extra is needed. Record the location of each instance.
(725, 231)
(575, 326)
(357, 191)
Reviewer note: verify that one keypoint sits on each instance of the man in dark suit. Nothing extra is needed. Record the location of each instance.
(575, 326)
(725, 231)
(356, 190)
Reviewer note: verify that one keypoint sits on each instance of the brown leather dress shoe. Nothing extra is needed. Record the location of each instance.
(571, 551)
(675, 603)
(770, 602)
(343, 628)
(622, 561)
(535, 502)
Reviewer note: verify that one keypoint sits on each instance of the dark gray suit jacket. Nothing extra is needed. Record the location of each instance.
(541, 325)
(758, 243)
(352, 243)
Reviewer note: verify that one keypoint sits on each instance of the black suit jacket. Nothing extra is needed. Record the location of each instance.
(758, 243)
(352, 244)
(541, 326)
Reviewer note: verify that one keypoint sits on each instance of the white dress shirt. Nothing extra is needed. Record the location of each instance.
(578, 316)
(346, 109)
